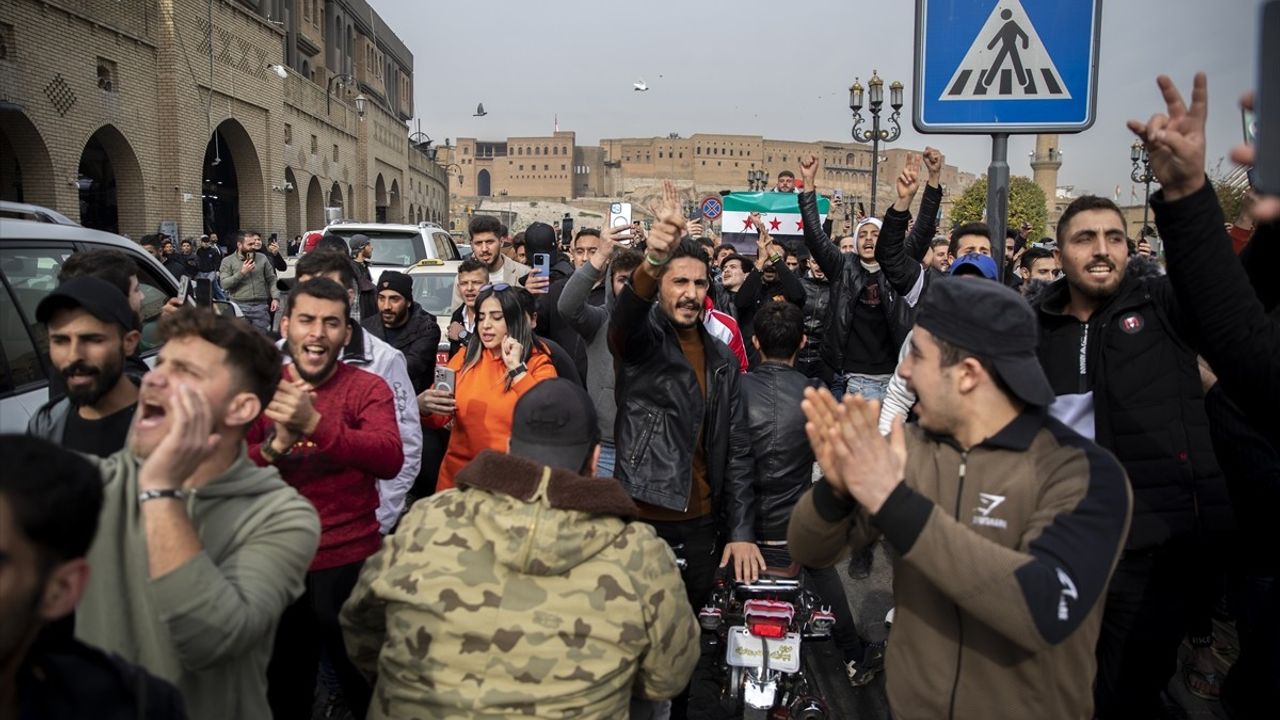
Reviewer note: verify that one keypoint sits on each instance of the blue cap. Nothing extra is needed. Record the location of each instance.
(975, 264)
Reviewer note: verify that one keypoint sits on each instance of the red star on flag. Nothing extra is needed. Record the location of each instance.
(799, 225)
(774, 224)
(746, 223)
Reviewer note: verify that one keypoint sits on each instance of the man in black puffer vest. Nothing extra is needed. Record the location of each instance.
(1119, 354)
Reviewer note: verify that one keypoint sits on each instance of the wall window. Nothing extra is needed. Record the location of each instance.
(6, 42)
(288, 134)
(335, 153)
(315, 145)
(106, 75)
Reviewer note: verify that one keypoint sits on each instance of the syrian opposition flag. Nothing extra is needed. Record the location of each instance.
(779, 211)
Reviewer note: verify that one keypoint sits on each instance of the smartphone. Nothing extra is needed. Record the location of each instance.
(202, 291)
(445, 379)
(695, 213)
(542, 264)
(619, 214)
(184, 289)
(1266, 164)
(839, 194)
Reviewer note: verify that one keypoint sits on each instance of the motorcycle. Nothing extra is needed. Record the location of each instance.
(761, 626)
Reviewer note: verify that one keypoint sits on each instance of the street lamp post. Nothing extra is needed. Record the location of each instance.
(876, 135)
(1141, 174)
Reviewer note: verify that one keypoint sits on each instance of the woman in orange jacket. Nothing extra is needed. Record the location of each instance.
(501, 362)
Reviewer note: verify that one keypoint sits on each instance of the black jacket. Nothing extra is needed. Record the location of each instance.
(755, 292)
(365, 290)
(816, 304)
(847, 278)
(900, 253)
(67, 679)
(662, 413)
(1147, 400)
(418, 340)
(783, 456)
(1241, 343)
(208, 259)
(552, 325)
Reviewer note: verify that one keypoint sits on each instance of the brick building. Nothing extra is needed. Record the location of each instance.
(554, 167)
(210, 115)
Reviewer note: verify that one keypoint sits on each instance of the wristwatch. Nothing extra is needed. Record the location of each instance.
(515, 372)
(268, 453)
(463, 335)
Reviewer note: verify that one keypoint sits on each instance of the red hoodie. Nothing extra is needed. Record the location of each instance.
(338, 466)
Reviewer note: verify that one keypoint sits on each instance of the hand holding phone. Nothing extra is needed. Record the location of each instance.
(542, 266)
(445, 380)
(619, 214)
(184, 289)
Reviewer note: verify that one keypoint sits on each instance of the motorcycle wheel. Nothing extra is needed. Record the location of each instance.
(735, 685)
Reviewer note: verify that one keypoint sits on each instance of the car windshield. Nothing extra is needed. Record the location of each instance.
(435, 293)
(397, 248)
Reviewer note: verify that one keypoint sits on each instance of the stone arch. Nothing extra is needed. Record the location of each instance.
(26, 170)
(292, 205)
(380, 200)
(483, 183)
(109, 181)
(315, 205)
(233, 189)
(395, 213)
(336, 200)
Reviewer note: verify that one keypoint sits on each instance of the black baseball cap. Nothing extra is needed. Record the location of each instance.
(992, 321)
(554, 424)
(99, 297)
(539, 237)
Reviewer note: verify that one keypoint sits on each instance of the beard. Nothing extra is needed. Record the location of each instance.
(313, 378)
(104, 379)
(395, 320)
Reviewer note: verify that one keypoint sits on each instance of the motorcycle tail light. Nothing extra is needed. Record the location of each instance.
(709, 618)
(767, 628)
(821, 621)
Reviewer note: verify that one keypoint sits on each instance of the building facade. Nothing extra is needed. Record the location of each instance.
(200, 116)
(555, 168)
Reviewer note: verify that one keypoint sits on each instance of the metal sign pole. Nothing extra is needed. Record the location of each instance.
(998, 198)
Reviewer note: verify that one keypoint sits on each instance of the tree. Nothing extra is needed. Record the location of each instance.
(1026, 204)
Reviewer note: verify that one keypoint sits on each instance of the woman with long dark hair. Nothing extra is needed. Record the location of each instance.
(502, 361)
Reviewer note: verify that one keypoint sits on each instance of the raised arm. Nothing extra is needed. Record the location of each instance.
(825, 252)
(926, 226)
(901, 271)
(631, 336)
(585, 318)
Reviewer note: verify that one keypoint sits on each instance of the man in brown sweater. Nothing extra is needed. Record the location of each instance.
(1006, 523)
(682, 445)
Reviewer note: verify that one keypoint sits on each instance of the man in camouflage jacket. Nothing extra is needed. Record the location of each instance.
(525, 591)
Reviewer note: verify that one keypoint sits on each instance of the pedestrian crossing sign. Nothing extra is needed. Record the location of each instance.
(1006, 66)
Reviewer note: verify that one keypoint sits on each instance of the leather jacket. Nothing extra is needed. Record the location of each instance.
(783, 457)
(847, 278)
(662, 413)
(817, 303)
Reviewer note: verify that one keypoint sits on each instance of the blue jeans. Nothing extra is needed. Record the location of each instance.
(608, 459)
(871, 387)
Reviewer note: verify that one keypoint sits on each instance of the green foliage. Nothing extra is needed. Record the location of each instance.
(1230, 197)
(1026, 204)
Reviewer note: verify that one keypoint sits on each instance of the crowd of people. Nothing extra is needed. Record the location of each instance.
(1068, 453)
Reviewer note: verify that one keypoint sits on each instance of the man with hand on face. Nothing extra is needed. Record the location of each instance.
(91, 331)
(1006, 524)
(50, 499)
(249, 279)
(198, 549)
(331, 431)
(683, 452)
(404, 325)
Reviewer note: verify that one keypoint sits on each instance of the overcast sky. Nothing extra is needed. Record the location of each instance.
(782, 70)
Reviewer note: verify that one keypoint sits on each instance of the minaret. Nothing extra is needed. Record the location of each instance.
(1044, 168)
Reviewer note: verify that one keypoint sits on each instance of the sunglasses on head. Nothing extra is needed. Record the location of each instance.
(496, 287)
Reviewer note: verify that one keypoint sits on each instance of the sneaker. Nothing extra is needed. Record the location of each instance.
(862, 672)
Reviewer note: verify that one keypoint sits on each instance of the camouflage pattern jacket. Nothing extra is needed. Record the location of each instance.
(523, 593)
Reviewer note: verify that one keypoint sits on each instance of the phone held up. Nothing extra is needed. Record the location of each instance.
(446, 380)
(542, 264)
(1266, 165)
(184, 289)
(619, 214)
(202, 291)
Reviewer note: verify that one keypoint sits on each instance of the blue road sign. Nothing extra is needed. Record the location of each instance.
(1006, 66)
(711, 208)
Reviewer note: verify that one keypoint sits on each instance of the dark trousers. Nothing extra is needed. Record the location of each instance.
(1142, 626)
(695, 542)
(308, 629)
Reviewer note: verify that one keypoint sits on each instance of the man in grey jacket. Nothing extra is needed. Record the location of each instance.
(592, 323)
(249, 279)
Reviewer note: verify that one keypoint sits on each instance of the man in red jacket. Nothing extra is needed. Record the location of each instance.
(331, 431)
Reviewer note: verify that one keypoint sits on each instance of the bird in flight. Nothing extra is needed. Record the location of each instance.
(640, 86)
(480, 112)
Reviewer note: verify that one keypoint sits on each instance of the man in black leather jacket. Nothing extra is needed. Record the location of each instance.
(868, 318)
(682, 449)
(817, 298)
(784, 460)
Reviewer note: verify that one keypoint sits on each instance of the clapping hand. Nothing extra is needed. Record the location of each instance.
(856, 461)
